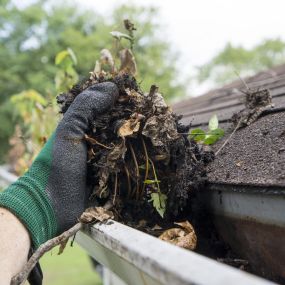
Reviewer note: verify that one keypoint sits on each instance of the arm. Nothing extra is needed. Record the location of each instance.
(14, 246)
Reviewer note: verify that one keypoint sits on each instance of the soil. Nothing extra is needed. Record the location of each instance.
(138, 152)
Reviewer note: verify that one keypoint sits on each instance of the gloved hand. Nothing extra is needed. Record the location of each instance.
(51, 195)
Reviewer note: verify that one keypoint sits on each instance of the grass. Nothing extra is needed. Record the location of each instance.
(72, 267)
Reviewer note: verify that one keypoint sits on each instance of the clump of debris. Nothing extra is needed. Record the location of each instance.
(139, 155)
(139, 151)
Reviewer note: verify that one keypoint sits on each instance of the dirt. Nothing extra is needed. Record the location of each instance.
(139, 155)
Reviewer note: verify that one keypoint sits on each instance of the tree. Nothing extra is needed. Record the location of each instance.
(30, 38)
(223, 67)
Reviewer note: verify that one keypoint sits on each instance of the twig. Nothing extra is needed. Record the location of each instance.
(242, 80)
(137, 170)
(115, 188)
(94, 141)
(146, 164)
(21, 277)
(228, 139)
(128, 179)
(154, 174)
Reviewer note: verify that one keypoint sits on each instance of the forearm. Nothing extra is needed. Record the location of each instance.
(14, 246)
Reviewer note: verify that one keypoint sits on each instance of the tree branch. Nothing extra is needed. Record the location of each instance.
(22, 276)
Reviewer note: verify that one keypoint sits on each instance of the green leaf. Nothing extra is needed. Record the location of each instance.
(66, 55)
(30, 95)
(197, 135)
(159, 202)
(118, 35)
(213, 123)
(213, 136)
(72, 55)
(150, 181)
(61, 56)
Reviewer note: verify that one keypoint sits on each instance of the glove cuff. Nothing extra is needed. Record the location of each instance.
(28, 200)
(33, 209)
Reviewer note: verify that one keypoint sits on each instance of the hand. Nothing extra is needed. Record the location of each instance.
(50, 197)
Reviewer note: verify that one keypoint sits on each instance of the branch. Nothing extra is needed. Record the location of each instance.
(90, 215)
(21, 277)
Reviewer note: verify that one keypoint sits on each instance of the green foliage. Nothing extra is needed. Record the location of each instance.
(31, 37)
(223, 67)
(66, 76)
(213, 134)
(159, 202)
(213, 123)
(151, 181)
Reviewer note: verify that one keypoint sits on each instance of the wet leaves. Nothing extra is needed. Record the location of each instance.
(95, 214)
(184, 236)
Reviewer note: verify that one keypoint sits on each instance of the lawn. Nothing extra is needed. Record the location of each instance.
(73, 267)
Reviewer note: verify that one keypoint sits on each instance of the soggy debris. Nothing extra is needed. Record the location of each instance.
(139, 155)
(95, 214)
(184, 236)
(256, 102)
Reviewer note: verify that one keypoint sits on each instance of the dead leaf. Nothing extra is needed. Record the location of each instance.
(107, 59)
(128, 62)
(130, 126)
(159, 105)
(156, 227)
(95, 214)
(161, 129)
(183, 237)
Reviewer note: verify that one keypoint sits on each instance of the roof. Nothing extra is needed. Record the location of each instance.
(227, 100)
(255, 155)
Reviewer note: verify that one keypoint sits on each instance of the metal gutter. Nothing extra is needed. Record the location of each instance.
(252, 221)
(140, 259)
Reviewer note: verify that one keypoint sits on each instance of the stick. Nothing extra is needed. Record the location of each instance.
(146, 164)
(137, 170)
(228, 139)
(115, 188)
(129, 181)
(21, 277)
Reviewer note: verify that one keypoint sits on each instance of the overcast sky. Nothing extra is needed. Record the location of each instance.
(199, 29)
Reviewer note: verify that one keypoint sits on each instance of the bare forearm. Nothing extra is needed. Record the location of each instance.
(14, 246)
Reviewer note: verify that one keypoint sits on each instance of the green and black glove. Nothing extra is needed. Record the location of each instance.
(51, 195)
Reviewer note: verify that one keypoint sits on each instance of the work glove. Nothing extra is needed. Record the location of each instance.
(51, 195)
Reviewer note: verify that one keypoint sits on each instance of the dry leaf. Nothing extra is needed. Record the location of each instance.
(161, 129)
(107, 58)
(183, 237)
(156, 227)
(95, 214)
(128, 62)
(130, 126)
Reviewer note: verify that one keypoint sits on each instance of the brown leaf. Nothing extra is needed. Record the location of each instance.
(107, 58)
(128, 62)
(161, 129)
(95, 214)
(183, 237)
(130, 126)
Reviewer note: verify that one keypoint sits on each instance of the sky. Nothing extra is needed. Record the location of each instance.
(199, 29)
